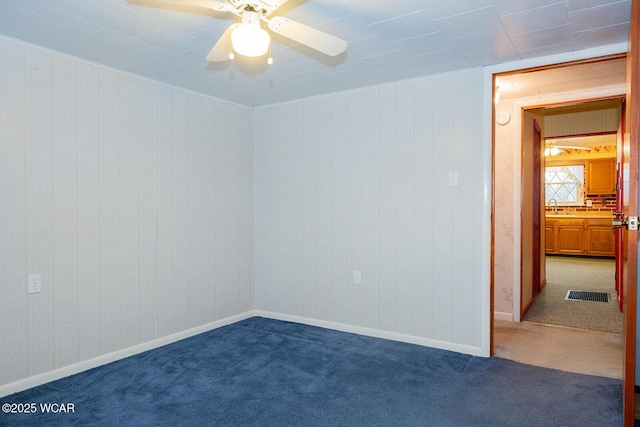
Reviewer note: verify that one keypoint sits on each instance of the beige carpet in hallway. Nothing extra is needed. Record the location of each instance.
(582, 274)
(566, 349)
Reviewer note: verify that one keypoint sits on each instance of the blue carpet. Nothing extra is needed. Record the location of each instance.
(263, 372)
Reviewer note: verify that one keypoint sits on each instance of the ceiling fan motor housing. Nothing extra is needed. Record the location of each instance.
(265, 7)
(251, 18)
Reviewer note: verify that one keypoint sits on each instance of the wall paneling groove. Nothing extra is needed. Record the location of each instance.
(134, 201)
(359, 181)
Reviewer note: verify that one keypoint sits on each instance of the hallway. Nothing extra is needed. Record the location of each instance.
(557, 347)
(575, 336)
(577, 273)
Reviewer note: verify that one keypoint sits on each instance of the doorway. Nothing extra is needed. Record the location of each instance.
(508, 300)
(576, 285)
(507, 155)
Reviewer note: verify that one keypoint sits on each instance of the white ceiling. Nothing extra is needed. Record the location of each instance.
(387, 40)
(583, 77)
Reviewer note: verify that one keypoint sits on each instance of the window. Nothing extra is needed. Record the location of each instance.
(565, 184)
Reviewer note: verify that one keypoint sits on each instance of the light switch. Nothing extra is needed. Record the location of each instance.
(357, 277)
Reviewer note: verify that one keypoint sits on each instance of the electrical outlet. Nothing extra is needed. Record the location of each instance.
(453, 178)
(34, 283)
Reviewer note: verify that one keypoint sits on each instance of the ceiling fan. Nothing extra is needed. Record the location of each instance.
(552, 149)
(248, 38)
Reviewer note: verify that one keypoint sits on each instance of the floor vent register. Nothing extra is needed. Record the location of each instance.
(587, 296)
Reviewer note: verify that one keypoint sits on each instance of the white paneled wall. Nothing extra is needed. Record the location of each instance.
(582, 122)
(132, 199)
(359, 181)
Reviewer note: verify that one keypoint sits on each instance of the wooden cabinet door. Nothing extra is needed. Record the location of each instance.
(550, 236)
(570, 237)
(600, 238)
(600, 176)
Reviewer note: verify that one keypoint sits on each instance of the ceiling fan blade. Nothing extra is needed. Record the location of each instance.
(574, 147)
(308, 36)
(270, 5)
(220, 52)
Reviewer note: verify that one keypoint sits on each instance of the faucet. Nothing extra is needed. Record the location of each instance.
(555, 209)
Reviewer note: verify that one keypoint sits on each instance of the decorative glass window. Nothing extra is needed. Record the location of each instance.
(565, 184)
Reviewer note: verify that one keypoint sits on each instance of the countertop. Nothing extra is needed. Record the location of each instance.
(580, 214)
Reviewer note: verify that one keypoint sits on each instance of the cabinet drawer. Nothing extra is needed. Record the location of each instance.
(570, 222)
(599, 223)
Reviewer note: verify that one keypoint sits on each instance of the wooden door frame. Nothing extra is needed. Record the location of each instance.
(538, 277)
(538, 221)
(531, 220)
(630, 277)
(630, 296)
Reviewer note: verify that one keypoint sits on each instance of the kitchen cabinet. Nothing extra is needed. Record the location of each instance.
(570, 236)
(600, 238)
(600, 176)
(579, 236)
(550, 236)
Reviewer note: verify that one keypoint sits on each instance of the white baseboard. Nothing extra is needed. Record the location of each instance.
(76, 368)
(376, 333)
(498, 315)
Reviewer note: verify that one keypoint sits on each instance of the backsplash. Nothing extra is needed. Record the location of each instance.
(599, 202)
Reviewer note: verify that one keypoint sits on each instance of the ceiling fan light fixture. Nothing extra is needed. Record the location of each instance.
(552, 151)
(248, 38)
